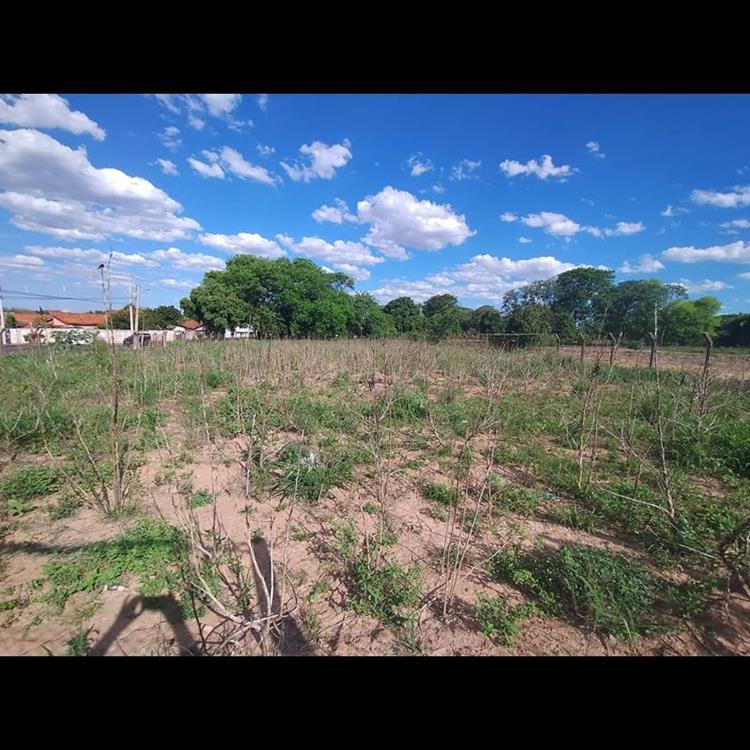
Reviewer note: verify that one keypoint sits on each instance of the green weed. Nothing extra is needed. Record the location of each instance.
(604, 592)
(148, 552)
(499, 621)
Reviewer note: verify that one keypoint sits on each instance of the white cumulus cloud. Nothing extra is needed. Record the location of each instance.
(54, 189)
(206, 170)
(542, 170)
(46, 111)
(20, 261)
(707, 285)
(735, 252)
(323, 160)
(398, 220)
(234, 162)
(738, 223)
(339, 251)
(337, 213)
(484, 278)
(736, 197)
(170, 137)
(465, 170)
(645, 264)
(188, 261)
(178, 284)
(246, 243)
(220, 105)
(167, 166)
(89, 255)
(558, 225)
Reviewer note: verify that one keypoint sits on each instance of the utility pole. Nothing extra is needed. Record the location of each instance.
(2, 313)
(130, 306)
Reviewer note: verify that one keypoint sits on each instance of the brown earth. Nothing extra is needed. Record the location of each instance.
(124, 623)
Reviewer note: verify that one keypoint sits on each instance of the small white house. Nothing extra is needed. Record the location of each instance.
(240, 332)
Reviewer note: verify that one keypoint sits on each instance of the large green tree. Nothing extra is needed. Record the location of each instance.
(582, 296)
(734, 330)
(532, 321)
(443, 317)
(438, 304)
(159, 318)
(216, 304)
(685, 321)
(278, 297)
(369, 318)
(632, 304)
(406, 315)
(486, 319)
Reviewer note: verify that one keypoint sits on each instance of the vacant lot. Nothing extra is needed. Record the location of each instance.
(373, 497)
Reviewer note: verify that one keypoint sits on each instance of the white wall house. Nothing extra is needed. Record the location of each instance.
(240, 332)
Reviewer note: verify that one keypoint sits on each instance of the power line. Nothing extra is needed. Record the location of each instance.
(32, 296)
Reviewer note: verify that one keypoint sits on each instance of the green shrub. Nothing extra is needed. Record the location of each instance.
(78, 644)
(577, 518)
(30, 482)
(691, 598)
(65, 507)
(17, 507)
(498, 620)
(460, 415)
(514, 497)
(602, 591)
(409, 406)
(148, 551)
(215, 378)
(199, 498)
(440, 494)
(310, 475)
(386, 593)
(723, 447)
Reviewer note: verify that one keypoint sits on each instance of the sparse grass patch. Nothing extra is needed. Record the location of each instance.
(386, 593)
(577, 518)
(78, 644)
(199, 498)
(149, 552)
(515, 498)
(440, 494)
(65, 507)
(590, 587)
(499, 621)
(309, 474)
(30, 482)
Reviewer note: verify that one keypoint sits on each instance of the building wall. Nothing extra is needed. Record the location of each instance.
(16, 335)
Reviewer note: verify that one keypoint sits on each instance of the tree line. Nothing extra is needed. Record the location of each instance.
(297, 298)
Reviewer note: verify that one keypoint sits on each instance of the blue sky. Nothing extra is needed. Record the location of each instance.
(410, 194)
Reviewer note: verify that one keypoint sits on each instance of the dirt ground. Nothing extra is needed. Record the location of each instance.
(124, 623)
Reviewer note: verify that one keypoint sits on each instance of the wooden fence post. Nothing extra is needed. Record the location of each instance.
(583, 345)
(612, 346)
(652, 359)
(709, 347)
(557, 343)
